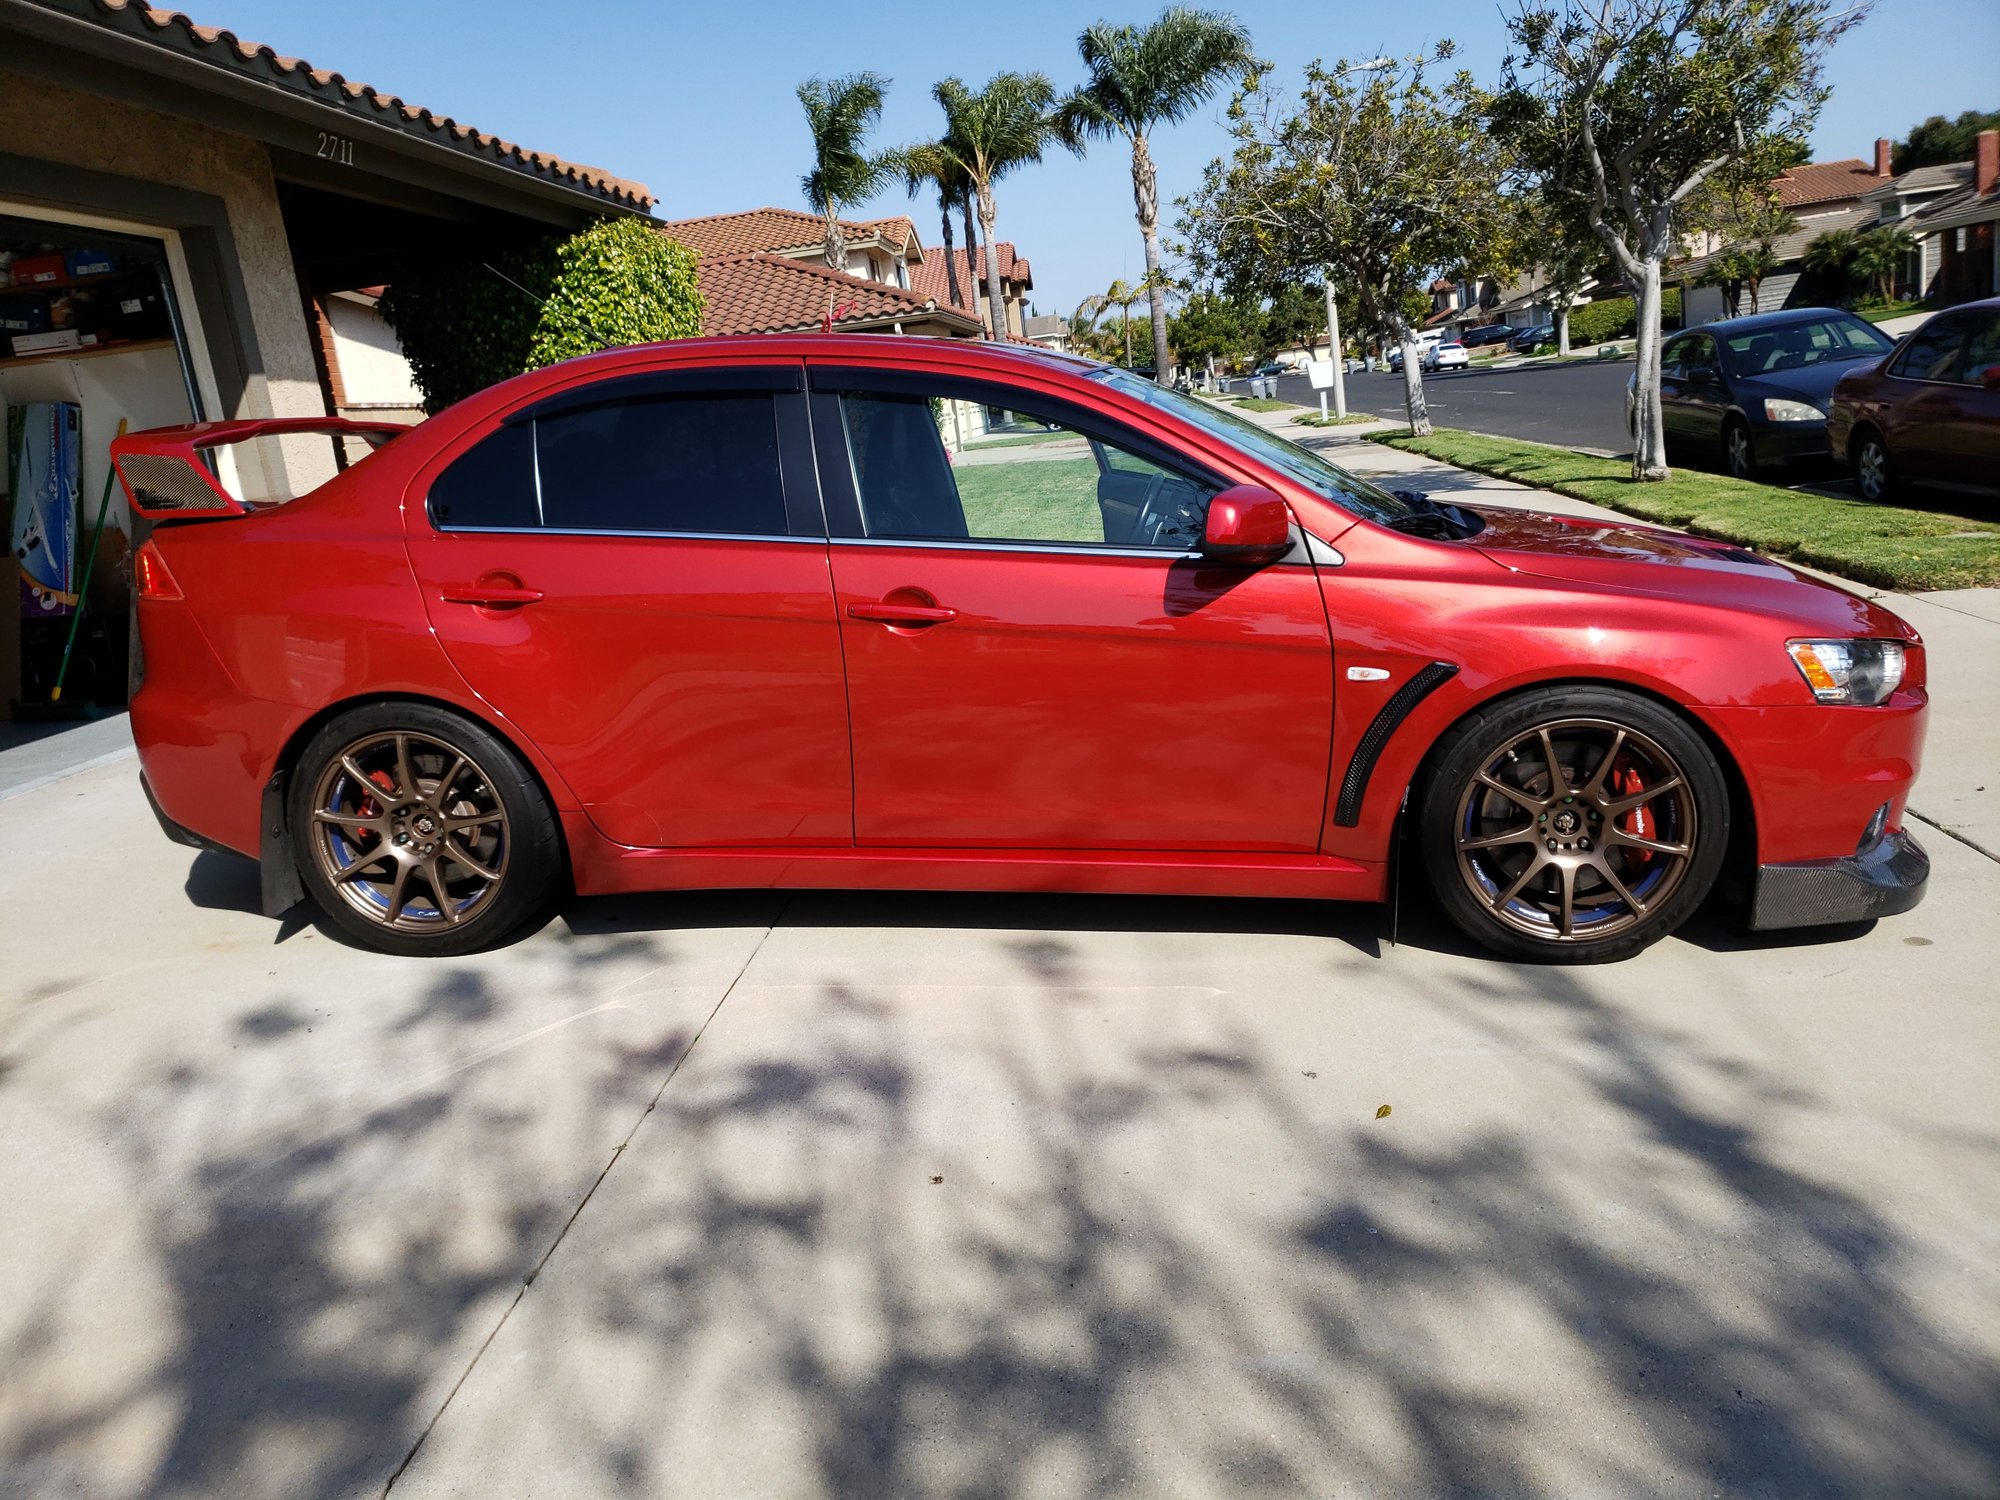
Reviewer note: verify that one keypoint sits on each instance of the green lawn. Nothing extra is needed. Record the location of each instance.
(1027, 440)
(1259, 403)
(1314, 419)
(1889, 310)
(1885, 545)
(1045, 500)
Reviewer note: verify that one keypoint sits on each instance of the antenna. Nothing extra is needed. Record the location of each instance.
(577, 318)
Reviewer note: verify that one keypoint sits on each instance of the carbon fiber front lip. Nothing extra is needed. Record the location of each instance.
(1888, 879)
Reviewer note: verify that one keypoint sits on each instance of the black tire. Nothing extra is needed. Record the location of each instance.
(471, 809)
(1874, 472)
(1652, 784)
(1739, 454)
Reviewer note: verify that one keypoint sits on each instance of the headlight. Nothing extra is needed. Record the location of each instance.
(1863, 672)
(1792, 411)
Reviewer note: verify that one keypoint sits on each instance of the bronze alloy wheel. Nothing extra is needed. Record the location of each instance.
(1576, 830)
(409, 831)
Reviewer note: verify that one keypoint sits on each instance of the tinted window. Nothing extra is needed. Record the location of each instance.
(1982, 351)
(492, 483)
(962, 471)
(1698, 353)
(664, 463)
(1932, 353)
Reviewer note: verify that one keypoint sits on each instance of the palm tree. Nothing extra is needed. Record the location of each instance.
(931, 165)
(840, 112)
(1832, 254)
(1121, 295)
(1880, 253)
(989, 133)
(1142, 78)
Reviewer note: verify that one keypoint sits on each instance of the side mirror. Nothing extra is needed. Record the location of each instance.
(1700, 375)
(1248, 526)
(1990, 378)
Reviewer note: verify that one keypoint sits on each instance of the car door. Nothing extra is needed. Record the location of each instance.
(634, 573)
(1035, 659)
(1924, 399)
(1704, 398)
(1969, 445)
(1673, 420)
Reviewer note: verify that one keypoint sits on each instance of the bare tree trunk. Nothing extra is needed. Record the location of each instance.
(836, 244)
(1562, 330)
(1146, 197)
(972, 267)
(987, 215)
(1649, 438)
(950, 260)
(1413, 383)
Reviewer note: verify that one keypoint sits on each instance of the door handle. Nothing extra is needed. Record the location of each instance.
(902, 614)
(489, 595)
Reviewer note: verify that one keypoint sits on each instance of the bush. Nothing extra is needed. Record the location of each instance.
(617, 282)
(1618, 318)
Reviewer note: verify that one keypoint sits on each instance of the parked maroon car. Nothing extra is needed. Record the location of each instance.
(1929, 413)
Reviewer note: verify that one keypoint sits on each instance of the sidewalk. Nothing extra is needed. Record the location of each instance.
(1959, 792)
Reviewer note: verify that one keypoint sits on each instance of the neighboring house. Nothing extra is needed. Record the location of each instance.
(1050, 331)
(933, 279)
(884, 250)
(1527, 302)
(1964, 227)
(764, 271)
(1467, 302)
(361, 360)
(245, 203)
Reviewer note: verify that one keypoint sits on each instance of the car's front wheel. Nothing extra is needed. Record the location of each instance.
(1739, 456)
(1874, 477)
(1573, 824)
(420, 832)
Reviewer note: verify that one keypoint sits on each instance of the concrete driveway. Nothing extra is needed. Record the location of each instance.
(883, 1195)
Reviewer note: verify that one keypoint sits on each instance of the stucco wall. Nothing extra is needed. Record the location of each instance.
(57, 124)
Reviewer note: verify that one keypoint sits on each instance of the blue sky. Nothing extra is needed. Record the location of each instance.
(695, 99)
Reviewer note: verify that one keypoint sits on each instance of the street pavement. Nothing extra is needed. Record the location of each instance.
(919, 1195)
(1577, 404)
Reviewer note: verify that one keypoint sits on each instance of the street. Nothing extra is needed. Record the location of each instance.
(1575, 405)
(887, 1194)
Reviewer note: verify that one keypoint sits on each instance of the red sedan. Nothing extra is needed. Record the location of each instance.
(1927, 414)
(894, 613)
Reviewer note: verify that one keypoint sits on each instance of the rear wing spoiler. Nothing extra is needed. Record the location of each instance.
(165, 477)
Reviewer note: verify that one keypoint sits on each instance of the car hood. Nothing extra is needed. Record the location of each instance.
(1649, 559)
(1812, 384)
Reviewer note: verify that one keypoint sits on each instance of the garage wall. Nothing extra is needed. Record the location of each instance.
(65, 126)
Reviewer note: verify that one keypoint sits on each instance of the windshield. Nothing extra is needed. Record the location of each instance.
(1791, 346)
(1308, 468)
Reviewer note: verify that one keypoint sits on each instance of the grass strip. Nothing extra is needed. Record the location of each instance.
(1316, 420)
(1887, 546)
(1258, 403)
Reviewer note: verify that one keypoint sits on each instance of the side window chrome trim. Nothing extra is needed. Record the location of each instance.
(1080, 549)
(688, 536)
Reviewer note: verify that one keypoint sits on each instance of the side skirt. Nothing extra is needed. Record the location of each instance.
(607, 869)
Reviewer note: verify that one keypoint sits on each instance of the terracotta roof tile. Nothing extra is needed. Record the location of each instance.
(223, 48)
(933, 280)
(770, 294)
(1826, 182)
(768, 230)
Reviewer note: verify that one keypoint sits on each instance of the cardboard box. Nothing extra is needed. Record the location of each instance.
(24, 315)
(52, 342)
(89, 262)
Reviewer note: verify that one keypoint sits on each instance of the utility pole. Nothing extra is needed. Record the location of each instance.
(1333, 349)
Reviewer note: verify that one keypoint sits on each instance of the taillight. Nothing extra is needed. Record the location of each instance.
(155, 582)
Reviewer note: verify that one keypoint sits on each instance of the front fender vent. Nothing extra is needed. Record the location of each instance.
(1354, 785)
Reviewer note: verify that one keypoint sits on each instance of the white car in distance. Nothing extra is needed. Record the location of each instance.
(1449, 355)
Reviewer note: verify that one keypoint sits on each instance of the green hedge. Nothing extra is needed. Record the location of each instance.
(618, 282)
(1617, 318)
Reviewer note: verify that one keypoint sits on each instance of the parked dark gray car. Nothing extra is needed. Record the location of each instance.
(1752, 393)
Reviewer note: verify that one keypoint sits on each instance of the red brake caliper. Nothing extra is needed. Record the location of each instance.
(368, 808)
(1626, 782)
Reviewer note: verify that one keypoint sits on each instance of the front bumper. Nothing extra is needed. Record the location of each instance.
(1781, 444)
(1887, 878)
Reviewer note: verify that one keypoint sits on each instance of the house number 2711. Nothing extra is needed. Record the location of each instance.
(337, 149)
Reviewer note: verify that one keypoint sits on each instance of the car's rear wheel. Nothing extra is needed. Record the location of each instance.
(419, 832)
(1874, 475)
(1573, 825)
(1739, 456)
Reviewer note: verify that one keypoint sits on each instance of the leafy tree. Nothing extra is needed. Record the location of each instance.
(1879, 254)
(1738, 269)
(1388, 183)
(465, 327)
(1939, 140)
(840, 112)
(1212, 325)
(1295, 318)
(989, 133)
(1630, 107)
(1832, 255)
(1143, 77)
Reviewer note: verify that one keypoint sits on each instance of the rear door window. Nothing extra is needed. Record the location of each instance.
(1932, 353)
(666, 463)
(1982, 351)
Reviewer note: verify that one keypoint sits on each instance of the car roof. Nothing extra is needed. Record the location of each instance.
(835, 345)
(1788, 318)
